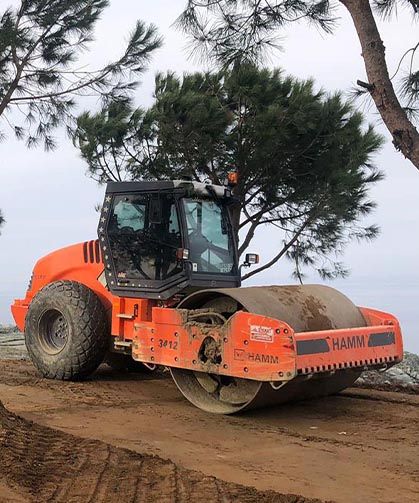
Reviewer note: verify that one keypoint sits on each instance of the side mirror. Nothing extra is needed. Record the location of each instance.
(251, 259)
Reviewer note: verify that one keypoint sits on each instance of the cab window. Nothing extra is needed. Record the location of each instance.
(144, 236)
(210, 243)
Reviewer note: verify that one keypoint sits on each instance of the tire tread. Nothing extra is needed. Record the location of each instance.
(89, 331)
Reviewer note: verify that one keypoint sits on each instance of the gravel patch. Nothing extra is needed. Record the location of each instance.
(12, 344)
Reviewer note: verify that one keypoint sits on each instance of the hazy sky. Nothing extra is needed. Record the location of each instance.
(48, 201)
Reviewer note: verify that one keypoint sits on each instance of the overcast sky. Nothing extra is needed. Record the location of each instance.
(48, 201)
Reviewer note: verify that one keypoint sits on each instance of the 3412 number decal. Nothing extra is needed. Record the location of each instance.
(164, 343)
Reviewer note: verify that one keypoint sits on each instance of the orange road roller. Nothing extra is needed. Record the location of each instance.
(161, 287)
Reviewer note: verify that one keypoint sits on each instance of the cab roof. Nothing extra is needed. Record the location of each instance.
(198, 188)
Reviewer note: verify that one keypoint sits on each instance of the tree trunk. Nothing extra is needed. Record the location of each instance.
(405, 135)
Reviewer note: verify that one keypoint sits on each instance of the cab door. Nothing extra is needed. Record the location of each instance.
(143, 236)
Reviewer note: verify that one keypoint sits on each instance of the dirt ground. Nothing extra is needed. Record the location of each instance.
(58, 467)
(361, 445)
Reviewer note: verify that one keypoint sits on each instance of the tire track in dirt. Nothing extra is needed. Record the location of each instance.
(44, 465)
(359, 445)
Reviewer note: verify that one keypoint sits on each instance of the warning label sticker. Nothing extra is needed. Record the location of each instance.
(260, 333)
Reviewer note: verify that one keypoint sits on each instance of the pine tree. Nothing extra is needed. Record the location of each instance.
(232, 31)
(40, 79)
(304, 159)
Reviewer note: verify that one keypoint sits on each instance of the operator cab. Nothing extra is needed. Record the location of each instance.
(162, 238)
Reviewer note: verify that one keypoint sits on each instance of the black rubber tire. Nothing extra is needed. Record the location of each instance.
(125, 363)
(80, 311)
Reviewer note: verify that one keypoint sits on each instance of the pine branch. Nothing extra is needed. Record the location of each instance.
(282, 252)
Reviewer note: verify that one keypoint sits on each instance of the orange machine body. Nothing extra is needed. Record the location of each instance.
(81, 262)
(249, 345)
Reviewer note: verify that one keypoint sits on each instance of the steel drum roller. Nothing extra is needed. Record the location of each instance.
(305, 308)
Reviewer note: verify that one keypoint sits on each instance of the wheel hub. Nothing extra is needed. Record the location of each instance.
(53, 331)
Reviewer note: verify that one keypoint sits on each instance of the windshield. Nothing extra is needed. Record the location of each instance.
(211, 247)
